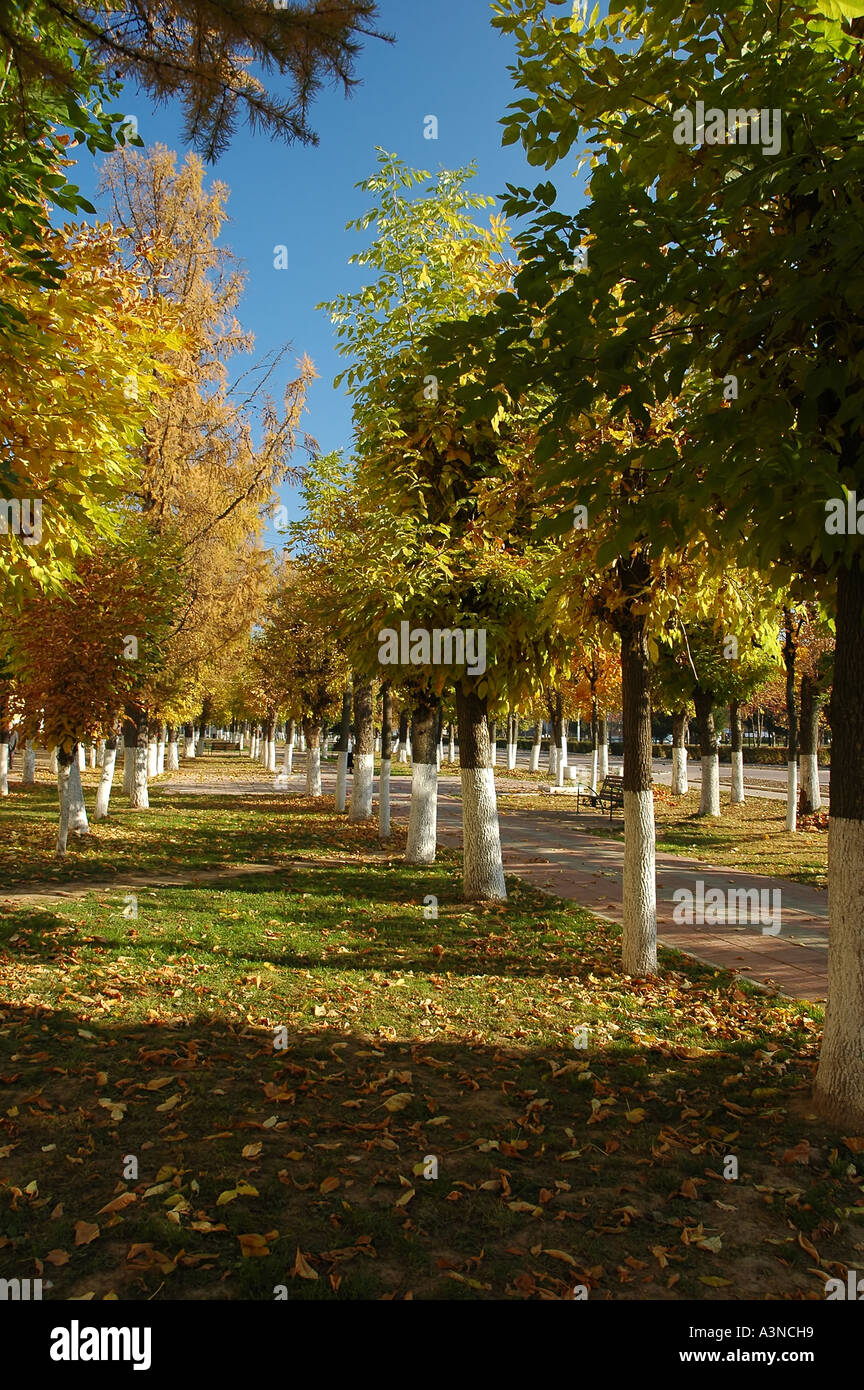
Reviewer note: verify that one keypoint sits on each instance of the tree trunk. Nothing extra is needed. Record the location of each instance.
(152, 749)
(64, 767)
(4, 748)
(130, 740)
(386, 751)
(82, 758)
(106, 778)
(709, 800)
(28, 773)
(290, 735)
(639, 933)
(790, 649)
(312, 734)
(189, 740)
(840, 1075)
(680, 785)
(173, 749)
(402, 750)
(160, 750)
(595, 743)
(482, 868)
(423, 815)
(811, 702)
(512, 740)
(364, 752)
(270, 742)
(603, 747)
(451, 751)
(342, 752)
(493, 743)
(536, 745)
(139, 799)
(737, 793)
(53, 761)
(77, 811)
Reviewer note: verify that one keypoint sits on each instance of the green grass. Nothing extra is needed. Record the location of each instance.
(407, 1040)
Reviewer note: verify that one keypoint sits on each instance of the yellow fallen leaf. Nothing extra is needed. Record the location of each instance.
(560, 1255)
(253, 1245)
(251, 1150)
(57, 1257)
(405, 1198)
(713, 1282)
(398, 1102)
(118, 1203)
(85, 1231)
(635, 1117)
(329, 1184)
(169, 1103)
(302, 1269)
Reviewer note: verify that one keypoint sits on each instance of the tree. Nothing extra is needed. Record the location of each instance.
(745, 271)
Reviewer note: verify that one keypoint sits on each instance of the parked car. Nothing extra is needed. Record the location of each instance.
(668, 738)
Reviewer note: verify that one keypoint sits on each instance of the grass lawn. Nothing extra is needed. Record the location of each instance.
(411, 1046)
(752, 837)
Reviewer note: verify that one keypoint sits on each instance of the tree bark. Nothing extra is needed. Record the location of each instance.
(106, 778)
(342, 753)
(270, 742)
(313, 757)
(595, 743)
(386, 752)
(173, 749)
(603, 747)
(402, 750)
(364, 752)
(811, 703)
(680, 785)
(189, 740)
(77, 810)
(482, 868)
(737, 793)
(790, 649)
(423, 815)
(4, 750)
(130, 740)
(64, 767)
(536, 745)
(709, 800)
(639, 934)
(288, 760)
(28, 773)
(839, 1087)
(139, 799)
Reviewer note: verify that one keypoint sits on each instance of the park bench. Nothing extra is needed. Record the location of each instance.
(222, 745)
(610, 793)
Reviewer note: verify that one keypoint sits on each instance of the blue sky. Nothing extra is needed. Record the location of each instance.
(447, 61)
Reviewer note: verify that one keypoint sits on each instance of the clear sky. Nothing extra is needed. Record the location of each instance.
(447, 61)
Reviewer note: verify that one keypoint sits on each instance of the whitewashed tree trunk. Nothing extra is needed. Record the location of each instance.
(28, 775)
(384, 799)
(100, 752)
(562, 754)
(173, 755)
(409, 752)
(77, 811)
(423, 815)
(362, 786)
(52, 761)
(106, 778)
(288, 758)
(737, 793)
(160, 753)
(189, 741)
(709, 800)
(451, 753)
(639, 892)
(792, 796)
(139, 798)
(92, 752)
(128, 766)
(63, 771)
(151, 758)
(311, 736)
(536, 745)
(482, 866)
(4, 766)
(595, 759)
(82, 757)
(680, 785)
(603, 752)
(242, 740)
(553, 757)
(341, 780)
(302, 742)
(810, 780)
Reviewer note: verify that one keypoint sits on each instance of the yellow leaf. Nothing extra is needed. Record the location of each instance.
(329, 1184)
(85, 1231)
(253, 1245)
(405, 1198)
(398, 1102)
(302, 1269)
(252, 1150)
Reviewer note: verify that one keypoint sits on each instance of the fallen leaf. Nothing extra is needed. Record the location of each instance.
(302, 1269)
(118, 1203)
(85, 1231)
(253, 1245)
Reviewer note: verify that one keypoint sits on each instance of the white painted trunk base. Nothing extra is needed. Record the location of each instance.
(77, 812)
(4, 769)
(63, 798)
(482, 868)
(737, 794)
(92, 755)
(553, 758)
(341, 781)
(680, 785)
(534, 761)
(288, 758)
(810, 779)
(151, 758)
(173, 759)
(512, 754)
(639, 887)
(709, 800)
(28, 775)
(82, 757)
(423, 816)
(792, 796)
(595, 763)
(52, 761)
(128, 769)
(160, 757)
(840, 1075)
(106, 778)
(361, 788)
(313, 772)
(189, 749)
(139, 798)
(603, 761)
(451, 752)
(384, 800)
(494, 753)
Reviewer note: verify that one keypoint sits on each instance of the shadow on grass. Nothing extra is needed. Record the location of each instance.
(553, 1167)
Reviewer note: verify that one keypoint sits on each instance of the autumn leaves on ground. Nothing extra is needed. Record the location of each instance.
(428, 1129)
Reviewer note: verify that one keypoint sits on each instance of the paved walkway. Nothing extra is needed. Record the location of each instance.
(552, 851)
